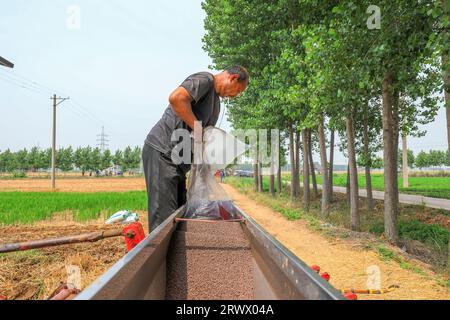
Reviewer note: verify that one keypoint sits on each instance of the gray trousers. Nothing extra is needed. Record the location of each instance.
(166, 185)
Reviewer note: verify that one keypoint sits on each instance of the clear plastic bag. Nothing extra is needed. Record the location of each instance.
(206, 199)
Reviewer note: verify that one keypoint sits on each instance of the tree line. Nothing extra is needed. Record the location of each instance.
(433, 158)
(85, 159)
(369, 74)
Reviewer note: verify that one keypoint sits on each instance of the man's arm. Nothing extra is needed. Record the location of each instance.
(181, 100)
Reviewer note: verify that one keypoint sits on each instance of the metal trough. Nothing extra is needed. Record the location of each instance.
(277, 272)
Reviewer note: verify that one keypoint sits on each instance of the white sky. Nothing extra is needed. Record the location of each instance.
(118, 69)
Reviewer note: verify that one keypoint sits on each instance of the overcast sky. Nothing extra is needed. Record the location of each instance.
(118, 68)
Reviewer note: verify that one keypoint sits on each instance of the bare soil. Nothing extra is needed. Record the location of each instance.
(112, 184)
(35, 274)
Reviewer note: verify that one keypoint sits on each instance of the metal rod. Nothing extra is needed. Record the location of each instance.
(86, 237)
(206, 220)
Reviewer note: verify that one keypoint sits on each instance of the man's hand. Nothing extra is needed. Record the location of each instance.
(181, 100)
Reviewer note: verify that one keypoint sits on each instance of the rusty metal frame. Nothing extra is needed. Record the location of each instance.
(207, 221)
(278, 273)
(140, 274)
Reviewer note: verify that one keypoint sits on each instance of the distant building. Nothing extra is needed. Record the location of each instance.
(114, 170)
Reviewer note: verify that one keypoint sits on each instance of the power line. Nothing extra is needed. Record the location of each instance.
(86, 111)
(21, 78)
(23, 85)
(75, 111)
(134, 19)
(82, 112)
(36, 87)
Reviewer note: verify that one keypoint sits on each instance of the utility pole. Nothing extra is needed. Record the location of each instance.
(55, 104)
(102, 140)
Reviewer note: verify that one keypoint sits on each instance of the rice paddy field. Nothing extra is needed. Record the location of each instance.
(27, 201)
(29, 207)
(29, 210)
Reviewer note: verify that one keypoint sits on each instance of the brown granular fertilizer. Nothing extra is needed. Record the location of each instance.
(209, 261)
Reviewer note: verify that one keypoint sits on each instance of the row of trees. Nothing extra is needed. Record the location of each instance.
(85, 159)
(433, 158)
(370, 74)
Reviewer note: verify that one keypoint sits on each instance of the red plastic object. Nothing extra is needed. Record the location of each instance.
(133, 233)
(316, 268)
(351, 296)
(325, 275)
(64, 293)
(224, 213)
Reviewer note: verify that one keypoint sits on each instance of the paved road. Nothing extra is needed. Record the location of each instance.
(436, 203)
(404, 198)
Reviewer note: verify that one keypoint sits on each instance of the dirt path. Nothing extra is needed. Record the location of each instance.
(345, 261)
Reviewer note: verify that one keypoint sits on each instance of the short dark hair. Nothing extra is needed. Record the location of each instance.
(241, 71)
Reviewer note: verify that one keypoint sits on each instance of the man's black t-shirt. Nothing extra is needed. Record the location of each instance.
(205, 106)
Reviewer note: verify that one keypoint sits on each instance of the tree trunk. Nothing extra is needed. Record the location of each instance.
(261, 185)
(272, 185)
(325, 208)
(354, 203)
(370, 204)
(255, 177)
(292, 160)
(330, 174)
(271, 174)
(446, 75)
(306, 193)
(405, 161)
(390, 181)
(395, 130)
(347, 185)
(447, 111)
(279, 179)
(311, 164)
(297, 163)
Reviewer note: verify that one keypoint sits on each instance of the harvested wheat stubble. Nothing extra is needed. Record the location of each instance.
(209, 261)
(35, 274)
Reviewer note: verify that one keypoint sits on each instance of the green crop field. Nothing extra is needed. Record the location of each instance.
(436, 187)
(28, 207)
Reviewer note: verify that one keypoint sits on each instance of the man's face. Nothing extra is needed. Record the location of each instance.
(233, 87)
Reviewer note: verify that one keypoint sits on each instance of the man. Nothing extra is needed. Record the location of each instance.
(196, 99)
(222, 176)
